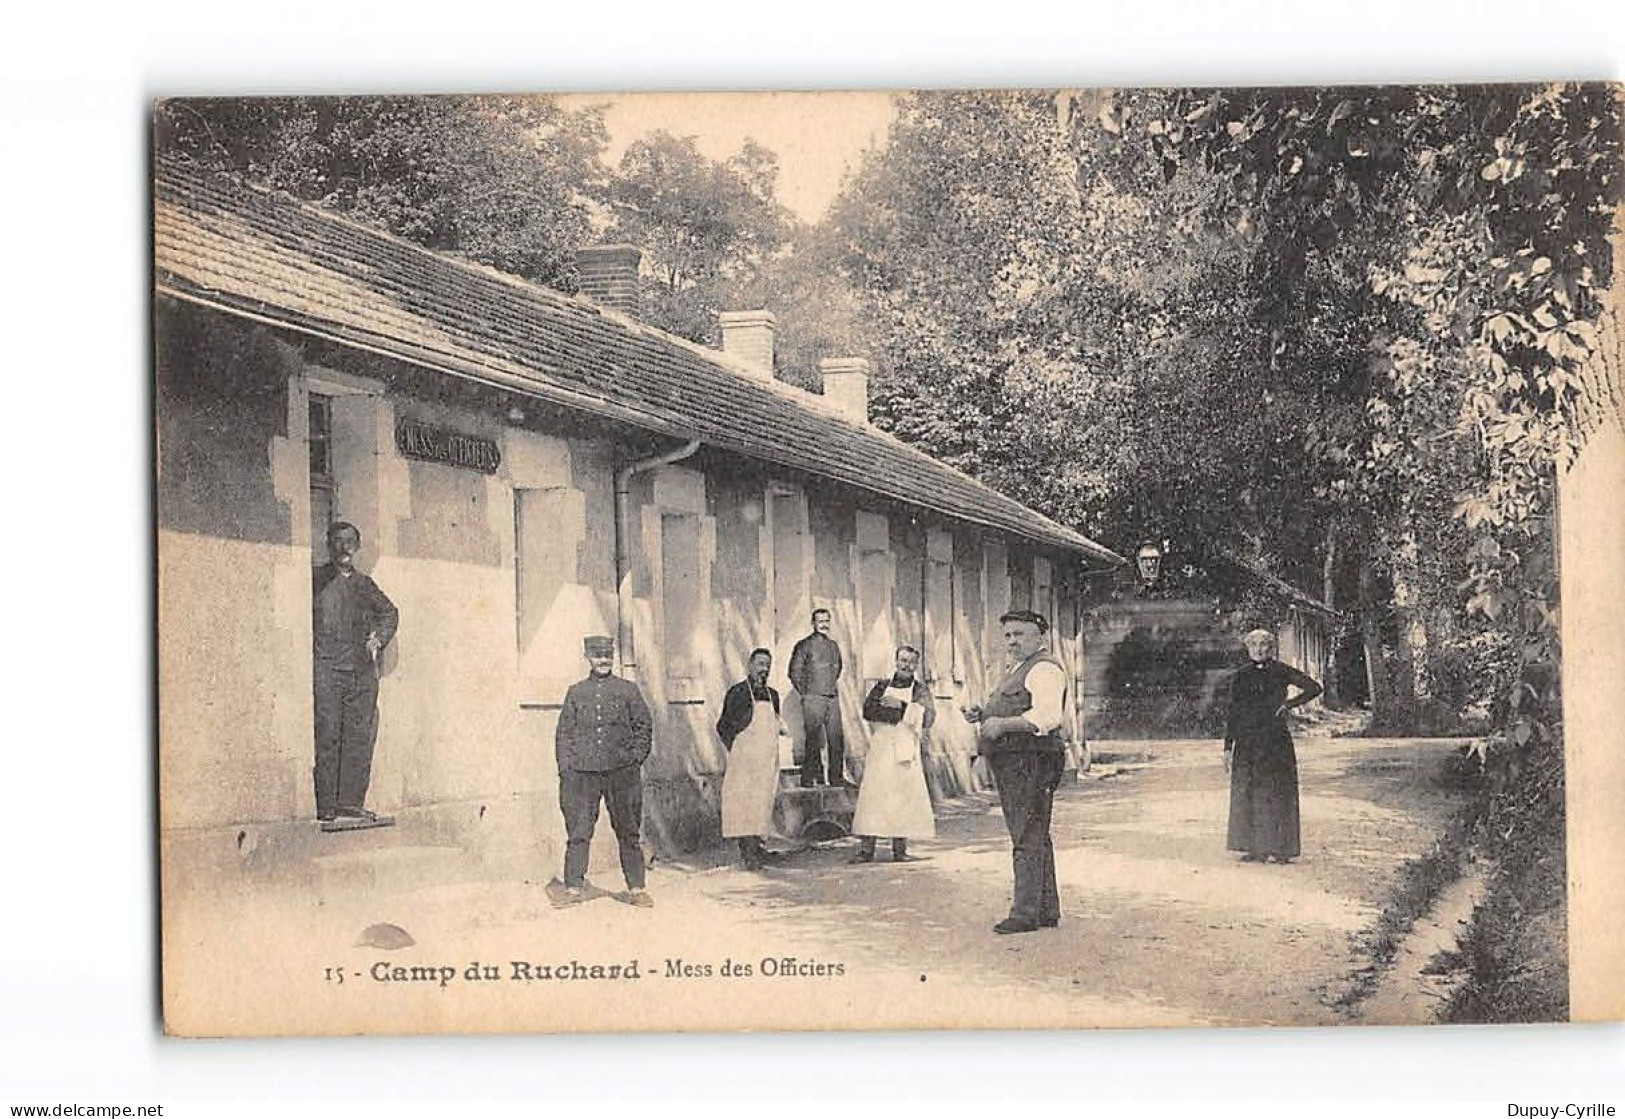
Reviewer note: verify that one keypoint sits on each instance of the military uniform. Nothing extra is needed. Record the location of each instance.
(605, 732)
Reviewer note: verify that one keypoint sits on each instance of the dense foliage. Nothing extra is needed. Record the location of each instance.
(1336, 333)
(518, 183)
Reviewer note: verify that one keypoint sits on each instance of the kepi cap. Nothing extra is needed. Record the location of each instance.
(598, 646)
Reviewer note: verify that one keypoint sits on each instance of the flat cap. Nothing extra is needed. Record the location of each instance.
(1026, 616)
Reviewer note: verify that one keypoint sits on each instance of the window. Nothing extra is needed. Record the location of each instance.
(544, 560)
(1020, 567)
(321, 475)
(1043, 596)
(875, 570)
(969, 609)
(790, 533)
(939, 606)
(681, 592)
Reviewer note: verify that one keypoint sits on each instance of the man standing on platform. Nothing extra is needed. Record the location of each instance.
(1017, 731)
(352, 623)
(604, 734)
(815, 674)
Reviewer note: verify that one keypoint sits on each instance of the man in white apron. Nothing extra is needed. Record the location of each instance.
(749, 728)
(893, 799)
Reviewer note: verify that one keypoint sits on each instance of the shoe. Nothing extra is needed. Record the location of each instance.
(1015, 925)
(861, 857)
(640, 898)
(325, 817)
(356, 813)
(905, 857)
(1049, 923)
(570, 895)
(1250, 858)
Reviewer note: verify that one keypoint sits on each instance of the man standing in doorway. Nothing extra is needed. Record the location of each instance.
(604, 735)
(353, 621)
(1017, 731)
(815, 673)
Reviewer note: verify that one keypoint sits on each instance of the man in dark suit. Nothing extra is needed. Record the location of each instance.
(352, 623)
(605, 733)
(815, 674)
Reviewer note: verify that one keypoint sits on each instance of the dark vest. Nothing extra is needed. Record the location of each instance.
(1011, 697)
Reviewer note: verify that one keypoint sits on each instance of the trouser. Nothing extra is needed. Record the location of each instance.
(346, 731)
(579, 793)
(821, 717)
(1027, 783)
(899, 846)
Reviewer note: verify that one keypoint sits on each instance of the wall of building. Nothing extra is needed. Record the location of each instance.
(1156, 665)
(498, 576)
(233, 575)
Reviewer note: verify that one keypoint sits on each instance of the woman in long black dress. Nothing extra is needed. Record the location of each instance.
(1258, 752)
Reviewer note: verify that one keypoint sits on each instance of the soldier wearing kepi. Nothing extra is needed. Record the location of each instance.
(1017, 732)
(605, 732)
(352, 622)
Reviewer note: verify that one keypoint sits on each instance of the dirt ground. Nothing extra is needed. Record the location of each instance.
(1161, 926)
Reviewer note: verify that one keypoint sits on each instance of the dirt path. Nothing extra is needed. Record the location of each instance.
(1160, 925)
(1160, 922)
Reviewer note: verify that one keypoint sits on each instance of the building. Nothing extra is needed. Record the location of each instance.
(525, 468)
(1155, 658)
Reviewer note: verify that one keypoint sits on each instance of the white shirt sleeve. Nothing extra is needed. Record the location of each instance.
(1047, 683)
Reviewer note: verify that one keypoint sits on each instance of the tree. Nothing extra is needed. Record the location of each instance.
(506, 181)
(819, 314)
(1061, 320)
(706, 228)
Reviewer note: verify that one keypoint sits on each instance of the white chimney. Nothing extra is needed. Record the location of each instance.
(748, 335)
(846, 385)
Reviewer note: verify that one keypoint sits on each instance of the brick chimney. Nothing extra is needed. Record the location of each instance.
(748, 335)
(846, 385)
(609, 276)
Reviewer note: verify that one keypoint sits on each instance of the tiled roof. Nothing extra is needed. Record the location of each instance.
(252, 252)
(1279, 587)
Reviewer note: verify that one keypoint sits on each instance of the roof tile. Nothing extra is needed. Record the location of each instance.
(250, 251)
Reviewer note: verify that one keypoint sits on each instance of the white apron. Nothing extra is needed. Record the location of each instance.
(752, 779)
(893, 800)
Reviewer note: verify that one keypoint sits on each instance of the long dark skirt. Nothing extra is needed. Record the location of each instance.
(1264, 795)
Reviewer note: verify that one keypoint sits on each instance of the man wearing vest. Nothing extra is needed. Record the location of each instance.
(1018, 731)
